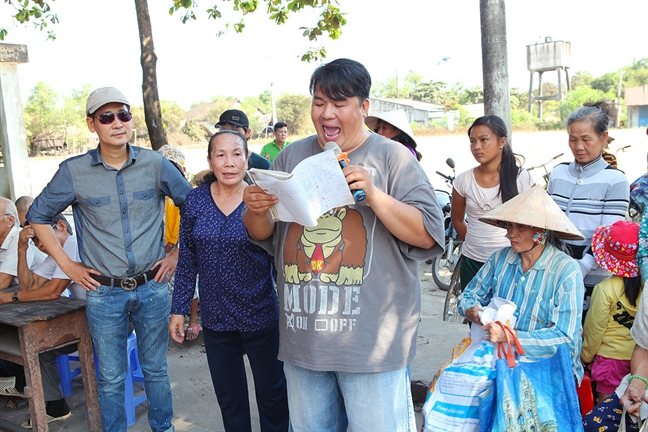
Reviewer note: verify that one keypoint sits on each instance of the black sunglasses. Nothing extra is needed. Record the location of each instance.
(108, 118)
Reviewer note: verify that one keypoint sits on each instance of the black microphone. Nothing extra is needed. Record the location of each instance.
(358, 195)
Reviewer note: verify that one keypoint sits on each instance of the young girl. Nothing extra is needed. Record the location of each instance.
(497, 179)
(613, 306)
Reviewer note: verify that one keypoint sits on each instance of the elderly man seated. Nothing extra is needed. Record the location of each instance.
(46, 282)
(9, 231)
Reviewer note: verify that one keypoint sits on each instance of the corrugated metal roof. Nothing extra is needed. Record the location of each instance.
(425, 106)
(635, 96)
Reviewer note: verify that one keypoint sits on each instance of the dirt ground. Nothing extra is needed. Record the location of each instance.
(194, 402)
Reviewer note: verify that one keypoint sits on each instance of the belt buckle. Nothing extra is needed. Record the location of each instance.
(129, 283)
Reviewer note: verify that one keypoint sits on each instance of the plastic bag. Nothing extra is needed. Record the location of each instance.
(535, 394)
(452, 403)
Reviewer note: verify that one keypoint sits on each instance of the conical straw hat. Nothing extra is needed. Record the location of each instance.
(535, 208)
(396, 118)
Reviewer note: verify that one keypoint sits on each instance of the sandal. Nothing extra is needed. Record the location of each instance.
(18, 404)
(8, 387)
(191, 333)
(28, 424)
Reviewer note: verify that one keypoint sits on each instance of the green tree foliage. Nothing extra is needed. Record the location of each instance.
(172, 118)
(582, 78)
(522, 117)
(392, 89)
(385, 89)
(295, 110)
(636, 75)
(252, 104)
(42, 112)
(432, 92)
(138, 121)
(469, 95)
(577, 97)
(77, 135)
(35, 11)
(412, 80)
(607, 83)
(172, 114)
(519, 99)
(193, 130)
(330, 19)
(265, 99)
(74, 105)
(222, 105)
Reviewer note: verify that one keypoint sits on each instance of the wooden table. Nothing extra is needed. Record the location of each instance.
(27, 329)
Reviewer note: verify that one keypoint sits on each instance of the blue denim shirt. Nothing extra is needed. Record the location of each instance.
(118, 214)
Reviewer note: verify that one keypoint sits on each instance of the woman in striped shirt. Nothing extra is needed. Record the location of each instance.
(588, 190)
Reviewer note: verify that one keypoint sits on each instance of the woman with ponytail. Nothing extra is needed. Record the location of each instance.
(496, 179)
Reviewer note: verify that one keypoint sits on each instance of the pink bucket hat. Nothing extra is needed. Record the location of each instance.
(615, 248)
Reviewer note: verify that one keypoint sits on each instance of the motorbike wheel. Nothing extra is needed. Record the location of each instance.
(444, 265)
(450, 308)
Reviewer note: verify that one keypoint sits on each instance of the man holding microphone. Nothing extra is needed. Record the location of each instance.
(349, 288)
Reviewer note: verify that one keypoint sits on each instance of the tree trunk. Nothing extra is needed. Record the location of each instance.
(495, 60)
(152, 110)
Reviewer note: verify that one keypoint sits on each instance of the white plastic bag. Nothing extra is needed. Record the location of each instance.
(452, 403)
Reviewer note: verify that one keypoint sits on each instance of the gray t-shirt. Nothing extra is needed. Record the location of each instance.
(349, 290)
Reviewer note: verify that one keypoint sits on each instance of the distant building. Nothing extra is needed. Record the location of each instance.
(48, 144)
(416, 111)
(636, 99)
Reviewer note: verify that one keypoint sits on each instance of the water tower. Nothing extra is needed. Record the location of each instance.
(545, 57)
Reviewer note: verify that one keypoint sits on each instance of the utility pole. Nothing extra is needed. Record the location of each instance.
(618, 104)
(397, 92)
(495, 60)
(272, 97)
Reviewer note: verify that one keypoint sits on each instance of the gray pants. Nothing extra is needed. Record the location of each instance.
(49, 372)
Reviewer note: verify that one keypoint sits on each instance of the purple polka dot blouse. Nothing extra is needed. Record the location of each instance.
(236, 287)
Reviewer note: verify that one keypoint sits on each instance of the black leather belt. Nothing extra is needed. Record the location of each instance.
(129, 283)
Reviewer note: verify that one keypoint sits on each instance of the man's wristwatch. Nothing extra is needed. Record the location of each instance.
(15, 298)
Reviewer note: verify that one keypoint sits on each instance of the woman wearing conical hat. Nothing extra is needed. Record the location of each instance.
(544, 282)
(394, 125)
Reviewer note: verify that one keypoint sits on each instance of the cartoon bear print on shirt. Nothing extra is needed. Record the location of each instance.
(332, 252)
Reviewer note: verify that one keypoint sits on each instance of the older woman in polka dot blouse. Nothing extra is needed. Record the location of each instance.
(237, 296)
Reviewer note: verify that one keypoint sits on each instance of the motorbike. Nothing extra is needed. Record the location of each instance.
(444, 265)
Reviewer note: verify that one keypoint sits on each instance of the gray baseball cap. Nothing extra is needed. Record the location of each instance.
(103, 96)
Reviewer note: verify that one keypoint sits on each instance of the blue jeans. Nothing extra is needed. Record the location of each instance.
(109, 311)
(333, 401)
(225, 357)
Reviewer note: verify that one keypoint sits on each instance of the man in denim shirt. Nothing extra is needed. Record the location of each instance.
(117, 195)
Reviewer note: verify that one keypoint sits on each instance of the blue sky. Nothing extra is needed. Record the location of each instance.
(97, 42)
